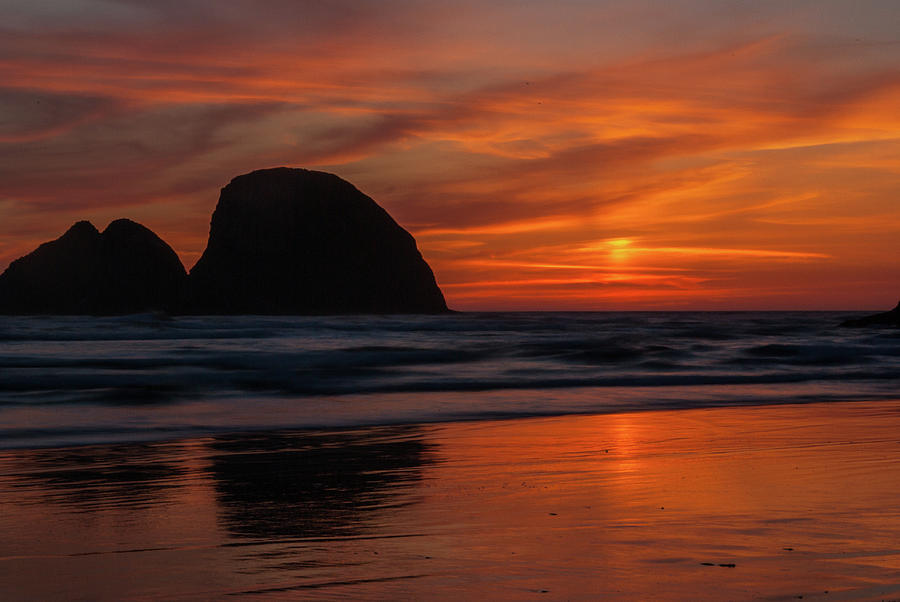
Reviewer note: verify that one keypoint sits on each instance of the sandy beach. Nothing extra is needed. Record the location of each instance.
(751, 503)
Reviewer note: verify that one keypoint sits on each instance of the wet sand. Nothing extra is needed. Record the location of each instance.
(767, 503)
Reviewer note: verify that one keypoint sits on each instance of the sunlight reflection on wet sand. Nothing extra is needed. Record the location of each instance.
(800, 499)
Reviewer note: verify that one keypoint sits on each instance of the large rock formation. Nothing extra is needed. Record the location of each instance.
(282, 241)
(888, 318)
(293, 241)
(126, 269)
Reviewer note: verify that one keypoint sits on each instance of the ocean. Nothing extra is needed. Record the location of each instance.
(87, 380)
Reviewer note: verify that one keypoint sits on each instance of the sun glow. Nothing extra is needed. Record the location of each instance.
(620, 250)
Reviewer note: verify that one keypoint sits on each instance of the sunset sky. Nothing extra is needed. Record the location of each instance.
(648, 154)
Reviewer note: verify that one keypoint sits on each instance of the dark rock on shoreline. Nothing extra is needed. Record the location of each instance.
(888, 318)
(282, 241)
(126, 269)
(294, 241)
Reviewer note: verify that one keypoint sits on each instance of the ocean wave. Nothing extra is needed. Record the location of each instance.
(163, 364)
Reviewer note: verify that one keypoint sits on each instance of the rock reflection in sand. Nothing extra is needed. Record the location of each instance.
(274, 486)
(91, 478)
(200, 517)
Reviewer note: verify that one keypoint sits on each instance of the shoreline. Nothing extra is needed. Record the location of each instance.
(65, 382)
(146, 424)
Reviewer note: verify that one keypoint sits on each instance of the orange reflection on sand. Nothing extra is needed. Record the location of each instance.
(641, 506)
(728, 503)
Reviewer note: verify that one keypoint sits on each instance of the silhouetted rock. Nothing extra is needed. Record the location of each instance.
(282, 241)
(293, 241)
(888, 318)
(126, 269)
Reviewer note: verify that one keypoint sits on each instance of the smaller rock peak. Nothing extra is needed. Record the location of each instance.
(122, 222)
(81, 228)
(124, 225)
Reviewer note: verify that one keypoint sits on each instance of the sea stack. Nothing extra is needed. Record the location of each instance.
(126, 269)
(888, 318)
(294, 241)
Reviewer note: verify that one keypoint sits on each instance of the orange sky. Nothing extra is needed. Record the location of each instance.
(568, 155)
